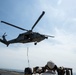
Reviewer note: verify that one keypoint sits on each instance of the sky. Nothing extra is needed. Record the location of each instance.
(59, 20)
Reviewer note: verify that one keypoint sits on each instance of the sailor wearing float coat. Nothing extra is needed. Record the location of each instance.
(50, 68)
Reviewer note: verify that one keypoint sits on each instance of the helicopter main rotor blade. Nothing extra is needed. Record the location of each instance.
(48, 35)
(38, 20)
(13, 25)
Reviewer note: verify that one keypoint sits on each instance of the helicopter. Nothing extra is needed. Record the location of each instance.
(26, 37)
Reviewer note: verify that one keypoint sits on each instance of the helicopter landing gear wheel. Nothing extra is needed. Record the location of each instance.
(35, 43)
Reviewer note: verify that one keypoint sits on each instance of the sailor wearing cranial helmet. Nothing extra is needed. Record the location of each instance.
(51, 66)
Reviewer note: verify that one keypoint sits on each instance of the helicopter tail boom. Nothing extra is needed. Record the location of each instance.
(4, 42)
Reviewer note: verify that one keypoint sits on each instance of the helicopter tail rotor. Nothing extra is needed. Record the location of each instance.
(3, 40)
(4, 35)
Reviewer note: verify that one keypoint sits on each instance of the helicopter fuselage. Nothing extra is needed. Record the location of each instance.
(28, 37)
